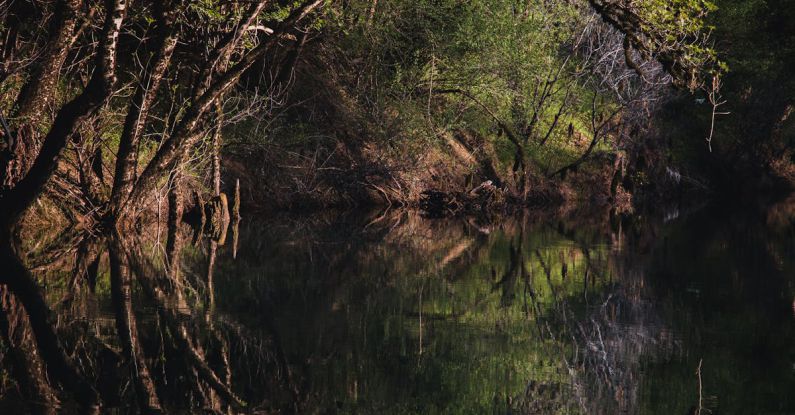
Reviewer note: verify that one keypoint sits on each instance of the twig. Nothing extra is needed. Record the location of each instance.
(716, 100)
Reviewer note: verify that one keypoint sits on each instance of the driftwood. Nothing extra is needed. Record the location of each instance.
(440, 204)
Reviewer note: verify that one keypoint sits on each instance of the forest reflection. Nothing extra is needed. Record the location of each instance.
(394, 313)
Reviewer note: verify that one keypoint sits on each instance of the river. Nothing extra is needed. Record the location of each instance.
(392, 313)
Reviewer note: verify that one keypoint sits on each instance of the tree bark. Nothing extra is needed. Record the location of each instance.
(38, 94)
(16, 200)
(175, 211)
(40, 89)
(138, 111)
(216, 147)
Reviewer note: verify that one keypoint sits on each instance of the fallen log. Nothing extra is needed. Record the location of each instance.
(438, 204)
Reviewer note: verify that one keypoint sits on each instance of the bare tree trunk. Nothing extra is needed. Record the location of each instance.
(216, 147)
(16, 200)
(38, 94)
(138, 111)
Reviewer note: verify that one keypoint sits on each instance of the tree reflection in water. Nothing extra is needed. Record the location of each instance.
(387, 313)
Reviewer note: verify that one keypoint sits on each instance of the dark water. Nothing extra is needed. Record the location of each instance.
(392, 313)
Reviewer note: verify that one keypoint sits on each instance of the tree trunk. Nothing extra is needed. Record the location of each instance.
(38, 94)
(216, 147)
(137, 114)
(185, 133)
(175, 211)
(16, 200)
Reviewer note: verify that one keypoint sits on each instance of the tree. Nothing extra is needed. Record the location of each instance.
(675, 33)
(224, 39)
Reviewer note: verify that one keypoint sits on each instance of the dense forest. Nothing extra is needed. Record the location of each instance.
(122, 120)
(389, 103)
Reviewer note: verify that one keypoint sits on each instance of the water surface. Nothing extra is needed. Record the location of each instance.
(394, 313)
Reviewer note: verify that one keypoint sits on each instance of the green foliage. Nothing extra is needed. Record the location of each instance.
(210, 9)
(415, 55)
(756, 39)
(506, 70)
(678, 21)
(673, 32)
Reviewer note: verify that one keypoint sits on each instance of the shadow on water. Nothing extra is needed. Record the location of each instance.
(394, 313)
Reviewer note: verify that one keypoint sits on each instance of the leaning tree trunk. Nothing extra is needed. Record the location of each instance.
(39, 92)
(37, 95)
(138, 111)
(16, 200)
